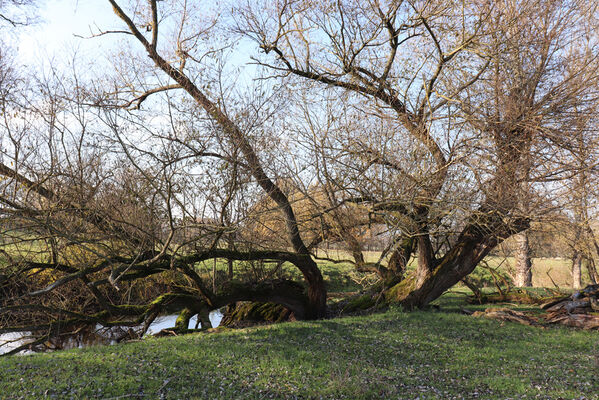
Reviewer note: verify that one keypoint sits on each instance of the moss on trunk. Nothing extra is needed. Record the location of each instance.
(399, 291)
(182, 323)
(242, 312)
(359, 303)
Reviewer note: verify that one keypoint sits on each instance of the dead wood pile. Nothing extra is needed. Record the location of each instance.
(580, 310)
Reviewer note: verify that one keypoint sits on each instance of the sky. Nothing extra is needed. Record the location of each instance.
(58, 23)
(64, 28)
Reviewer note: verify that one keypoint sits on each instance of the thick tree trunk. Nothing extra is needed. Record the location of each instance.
(576, 270)
(426, 261)
(457, 264)
(426, 254)
(523, 261)
(317, 292)
(475, 243)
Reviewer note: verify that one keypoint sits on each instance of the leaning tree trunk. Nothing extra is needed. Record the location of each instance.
(523, 261)
(316, 288)
(474, 243)
(592, 270)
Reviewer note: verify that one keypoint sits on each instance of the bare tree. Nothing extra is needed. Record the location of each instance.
(500, 78)
(16, 12)
(449, 123)
(581, 198)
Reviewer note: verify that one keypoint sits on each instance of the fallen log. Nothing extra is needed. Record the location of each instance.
(553, 302)
(578, 311)
(570, 306)
(507, 314)
(589, 291)
(583, 321)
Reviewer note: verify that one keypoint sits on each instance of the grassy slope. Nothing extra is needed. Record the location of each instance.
(397, 355)
(389, 355)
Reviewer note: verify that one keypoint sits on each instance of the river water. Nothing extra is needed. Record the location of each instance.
(102, 335)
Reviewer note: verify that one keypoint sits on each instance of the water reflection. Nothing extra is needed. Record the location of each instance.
(102, 335)
(168, 321)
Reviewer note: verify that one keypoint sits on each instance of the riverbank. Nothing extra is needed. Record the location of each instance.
(387, 355)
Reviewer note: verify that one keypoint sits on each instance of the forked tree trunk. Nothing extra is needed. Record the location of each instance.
(523, 261)
(474, 244)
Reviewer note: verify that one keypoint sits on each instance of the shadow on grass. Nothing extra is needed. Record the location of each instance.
(395, 354)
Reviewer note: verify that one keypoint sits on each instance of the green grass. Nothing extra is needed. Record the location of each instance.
(396, 355)
(426, 355)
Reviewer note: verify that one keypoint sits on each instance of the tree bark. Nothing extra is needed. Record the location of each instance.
(426, 261)
(593, 274)
(592, 270)
(398, 262)
(523, 261)
(576, 269)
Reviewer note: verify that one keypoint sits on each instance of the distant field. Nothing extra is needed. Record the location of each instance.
(341, 276)
(546, 272)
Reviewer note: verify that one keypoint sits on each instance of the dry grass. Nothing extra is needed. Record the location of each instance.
(547, 272)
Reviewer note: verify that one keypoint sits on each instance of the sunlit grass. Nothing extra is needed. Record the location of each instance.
(391, 355)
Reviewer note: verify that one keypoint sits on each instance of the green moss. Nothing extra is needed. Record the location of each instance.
(182, 323)
(358, 303)
(400, 291)
(161, 299)
(255, 312)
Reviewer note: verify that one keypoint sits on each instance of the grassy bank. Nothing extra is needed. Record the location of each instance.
(390, 355)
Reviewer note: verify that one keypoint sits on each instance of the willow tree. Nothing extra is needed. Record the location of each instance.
(580, 209)
(437, 115)
(487, 88)
(103, 194)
